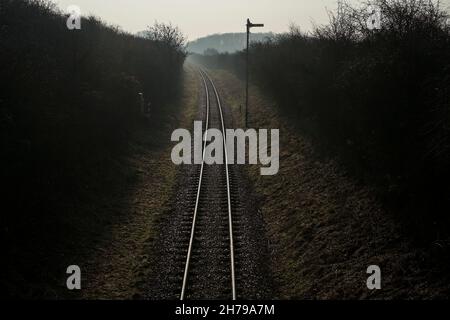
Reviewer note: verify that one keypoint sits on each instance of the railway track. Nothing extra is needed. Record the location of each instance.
(210, 253)
(211, 243)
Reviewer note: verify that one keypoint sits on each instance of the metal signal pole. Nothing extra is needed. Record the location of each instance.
(249, 26)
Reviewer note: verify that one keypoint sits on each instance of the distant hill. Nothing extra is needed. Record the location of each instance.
(226, 42)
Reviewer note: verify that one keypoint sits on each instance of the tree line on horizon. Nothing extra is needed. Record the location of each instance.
(225, 42)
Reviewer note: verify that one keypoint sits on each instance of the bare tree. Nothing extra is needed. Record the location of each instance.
(168, 34)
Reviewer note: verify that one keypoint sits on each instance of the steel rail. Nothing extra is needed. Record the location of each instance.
(205, 76)
(230, 216)
(194, 220)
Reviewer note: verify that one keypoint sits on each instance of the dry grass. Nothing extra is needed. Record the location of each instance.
(324, 228)
(120, 261)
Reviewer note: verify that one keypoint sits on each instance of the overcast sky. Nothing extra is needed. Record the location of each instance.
(198, 18)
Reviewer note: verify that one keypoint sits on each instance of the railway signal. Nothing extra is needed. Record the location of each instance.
(249, 26)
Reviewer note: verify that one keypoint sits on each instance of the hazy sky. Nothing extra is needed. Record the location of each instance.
(198, 18)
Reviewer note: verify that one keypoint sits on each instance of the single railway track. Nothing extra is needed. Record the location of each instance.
(210, 253)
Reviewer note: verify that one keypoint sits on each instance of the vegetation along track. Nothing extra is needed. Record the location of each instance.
(211, 243)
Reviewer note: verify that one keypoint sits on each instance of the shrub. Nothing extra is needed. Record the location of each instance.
(378, 98)
(69, 103)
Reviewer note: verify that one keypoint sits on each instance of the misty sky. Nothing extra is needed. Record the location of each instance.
(198, 18)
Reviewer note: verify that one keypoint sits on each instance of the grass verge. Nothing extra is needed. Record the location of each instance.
(324, 228)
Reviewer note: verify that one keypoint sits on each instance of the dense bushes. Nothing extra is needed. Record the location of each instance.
(379, 98)
(69, 102)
